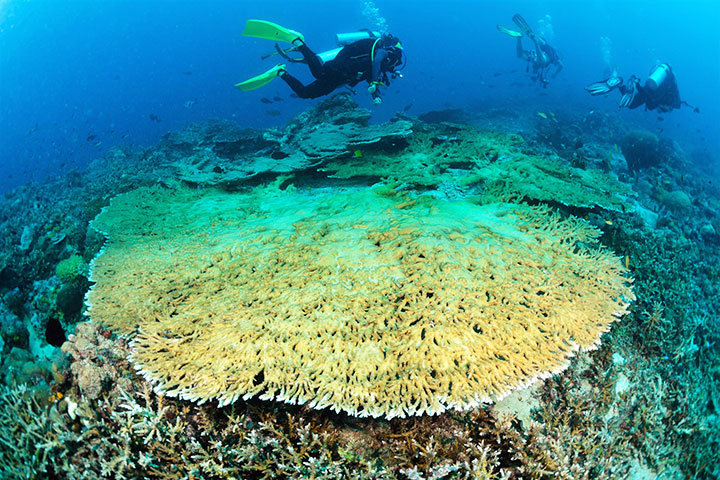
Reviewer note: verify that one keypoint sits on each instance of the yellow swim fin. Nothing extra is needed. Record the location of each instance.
(261, 80)
(270, 31)
(507, 31)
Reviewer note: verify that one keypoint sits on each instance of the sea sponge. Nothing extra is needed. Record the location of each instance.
(373, 305)
(642, 149)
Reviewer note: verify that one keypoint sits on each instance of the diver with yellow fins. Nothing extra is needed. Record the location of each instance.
(363, 55)
(660, 91)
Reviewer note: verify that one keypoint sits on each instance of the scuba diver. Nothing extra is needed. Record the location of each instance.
(542, 58)
(660, 91)
(362, 56)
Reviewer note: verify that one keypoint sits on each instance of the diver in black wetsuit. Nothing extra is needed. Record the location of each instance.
(363, 55)
(369, 59)
(660, 91)
(541, 58)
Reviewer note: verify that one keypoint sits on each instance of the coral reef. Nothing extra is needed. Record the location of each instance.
(643, 405)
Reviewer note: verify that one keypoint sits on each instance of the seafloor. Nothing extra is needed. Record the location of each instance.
(643, 404)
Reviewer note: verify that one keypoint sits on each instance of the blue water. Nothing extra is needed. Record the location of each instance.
(80, 77)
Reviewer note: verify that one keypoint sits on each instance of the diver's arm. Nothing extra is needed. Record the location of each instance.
(380, 56)
(375, 79)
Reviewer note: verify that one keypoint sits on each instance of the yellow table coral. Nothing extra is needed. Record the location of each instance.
(367, 304)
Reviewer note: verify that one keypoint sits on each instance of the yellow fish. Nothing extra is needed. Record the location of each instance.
(357, 153)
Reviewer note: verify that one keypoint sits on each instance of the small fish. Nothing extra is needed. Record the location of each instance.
(265, 100)
(357, 153)
(189, 103)
(90, 138)
(627, 262)
(294, 95)
(407, 107)
(608, 222)
(542, 115)
(660, 119)
(277, 99)
(154, 118)
(274, 113)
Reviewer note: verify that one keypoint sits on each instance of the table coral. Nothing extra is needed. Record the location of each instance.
(549, 180)
(373, 305)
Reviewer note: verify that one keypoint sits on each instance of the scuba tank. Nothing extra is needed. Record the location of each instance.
(329, 55)
(657, 76)
(343, 39)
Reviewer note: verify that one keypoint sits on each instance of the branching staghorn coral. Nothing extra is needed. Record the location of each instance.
(30, 434)
(373, 305)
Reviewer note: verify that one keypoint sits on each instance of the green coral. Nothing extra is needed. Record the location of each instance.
(432, 157)
(71, 268)
(549, 180)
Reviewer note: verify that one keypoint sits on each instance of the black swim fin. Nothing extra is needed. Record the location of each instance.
(523, 25)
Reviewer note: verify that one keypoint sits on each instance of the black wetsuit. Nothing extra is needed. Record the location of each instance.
(351, 65)
(664, 98)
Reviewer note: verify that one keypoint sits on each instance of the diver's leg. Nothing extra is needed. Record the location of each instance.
(316, 89)
(313, 61)
(518, 49)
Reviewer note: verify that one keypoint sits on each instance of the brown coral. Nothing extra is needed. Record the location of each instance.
(345, 300)
(98, 363)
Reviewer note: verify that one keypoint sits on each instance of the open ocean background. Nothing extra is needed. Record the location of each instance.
(80, 77)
